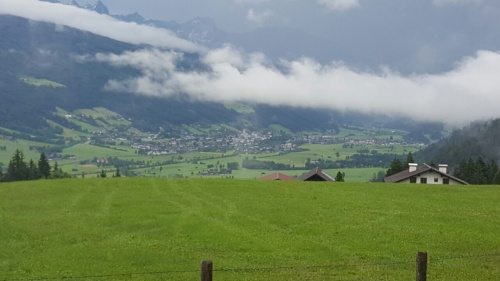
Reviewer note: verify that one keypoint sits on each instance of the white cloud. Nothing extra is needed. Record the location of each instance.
(259, 18)
(455, 2)
(339, 5)
(469, 92)
(93, 22)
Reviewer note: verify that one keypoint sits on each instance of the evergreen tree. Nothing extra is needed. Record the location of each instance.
(103, 174)
(339, 177)
(480, 171)
(43, 166)
(396, 167)
(492, 170)
(378, 177)
(17, 169)
(57, 173)
(409, 159)
(496, 179)
(32, 171)
(117, 173)
(477, 172)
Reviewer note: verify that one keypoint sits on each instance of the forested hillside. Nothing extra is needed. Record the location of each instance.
(479, 139)
(44, 51)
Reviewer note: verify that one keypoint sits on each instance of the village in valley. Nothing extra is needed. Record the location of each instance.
(215, 150)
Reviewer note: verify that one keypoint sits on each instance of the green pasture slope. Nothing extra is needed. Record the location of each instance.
(161, 229)
(40, 82)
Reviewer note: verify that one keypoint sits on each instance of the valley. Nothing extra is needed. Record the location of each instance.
(91, 141)
(132, 148)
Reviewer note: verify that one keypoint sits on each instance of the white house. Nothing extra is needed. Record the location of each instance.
(425, 174)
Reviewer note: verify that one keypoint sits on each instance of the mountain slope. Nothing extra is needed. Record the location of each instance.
(36, 51)
(479, 139)
(45, 51)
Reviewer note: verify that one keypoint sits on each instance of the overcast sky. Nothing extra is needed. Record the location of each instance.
(426, 59)
(408, 35)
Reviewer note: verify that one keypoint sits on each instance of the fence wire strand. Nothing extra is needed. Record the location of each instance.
(466, 257)
(104, 276)
(305, 267)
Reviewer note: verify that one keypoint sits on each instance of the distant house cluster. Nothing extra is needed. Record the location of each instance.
(315, 174)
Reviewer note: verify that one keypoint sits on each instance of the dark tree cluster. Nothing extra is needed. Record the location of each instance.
(398, 166)
(233, 166)
(340, 177)
(20, 170)
(266, 165)
(373, 159)
(478, 172)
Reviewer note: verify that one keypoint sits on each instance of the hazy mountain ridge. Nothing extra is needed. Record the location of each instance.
(46, 51)
(278, 43)
(98, 7)
(40, 51)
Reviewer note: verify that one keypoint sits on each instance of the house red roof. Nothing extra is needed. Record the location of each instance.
(278, 176)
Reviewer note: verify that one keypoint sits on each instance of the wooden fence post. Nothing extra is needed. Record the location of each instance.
(206, 270)
(422, 266)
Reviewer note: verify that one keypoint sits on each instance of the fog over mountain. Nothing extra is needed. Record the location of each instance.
(393, 58)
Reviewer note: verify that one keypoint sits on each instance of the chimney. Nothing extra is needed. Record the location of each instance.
(443, 168)
(412, 167)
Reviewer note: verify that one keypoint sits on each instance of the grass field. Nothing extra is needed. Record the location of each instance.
(23, 145)
(240, 108)
(41, 82)
(159, 229)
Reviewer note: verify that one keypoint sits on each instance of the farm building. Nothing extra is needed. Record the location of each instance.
(425, 174)
(316, 174)
(278, 177)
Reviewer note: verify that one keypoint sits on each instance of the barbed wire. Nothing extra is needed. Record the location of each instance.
(104, 276)
(254, 269)
(305, 267)
(465, 257)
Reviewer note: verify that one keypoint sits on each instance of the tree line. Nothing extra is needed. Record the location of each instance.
(478, 171)
(20, 170)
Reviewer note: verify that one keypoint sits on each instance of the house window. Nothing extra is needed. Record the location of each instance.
(423, 180)
(446, 181)
(436, 179)
(413, 180)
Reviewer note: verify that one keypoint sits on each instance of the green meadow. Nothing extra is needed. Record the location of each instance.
(161, 229)
(23, 145)
(41, 82)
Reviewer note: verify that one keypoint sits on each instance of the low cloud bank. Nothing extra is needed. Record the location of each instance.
(469, 92)
(96, 23)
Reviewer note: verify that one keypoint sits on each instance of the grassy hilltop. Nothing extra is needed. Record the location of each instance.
(150, 229)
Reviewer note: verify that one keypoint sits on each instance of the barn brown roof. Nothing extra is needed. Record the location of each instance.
(316, 174)
(278, 176)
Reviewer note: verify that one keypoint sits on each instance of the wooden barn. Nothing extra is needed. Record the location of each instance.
(316, 174)
(278, 177)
